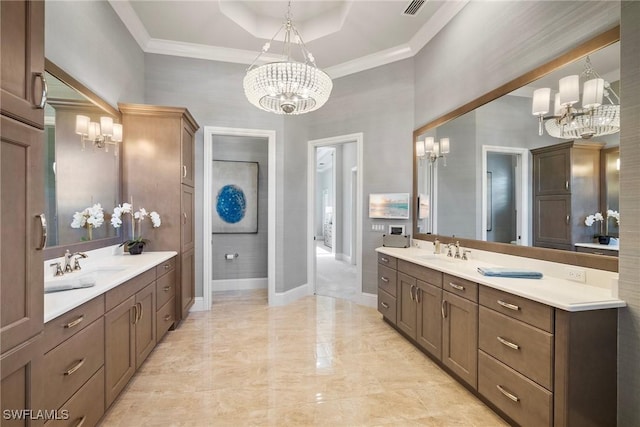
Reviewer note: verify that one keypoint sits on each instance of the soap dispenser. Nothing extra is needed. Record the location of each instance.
(436, 246)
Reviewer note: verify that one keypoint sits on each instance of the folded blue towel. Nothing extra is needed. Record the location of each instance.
(518, 273)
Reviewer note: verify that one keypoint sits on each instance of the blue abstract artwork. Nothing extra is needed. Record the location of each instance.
(234, 197)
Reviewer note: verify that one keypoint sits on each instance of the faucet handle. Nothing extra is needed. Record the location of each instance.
(76, 262)
(464, 254)
(58, 267)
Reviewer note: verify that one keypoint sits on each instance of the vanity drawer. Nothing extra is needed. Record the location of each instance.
(524, 348)
(166, 315)
(531, 312)
(72, 322)
(433, 277)
(120, 293)
(165, 267)
(462, 287)
(86, 406)
(387, 279)
(521, 399)
(387, 306)
(70, 365)
(387, 260)
(165, 288)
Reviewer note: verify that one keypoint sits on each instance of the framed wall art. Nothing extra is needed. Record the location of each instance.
(235, 197)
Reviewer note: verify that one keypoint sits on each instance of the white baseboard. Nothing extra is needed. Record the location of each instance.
(284, 298)
(344, 257)
(238, 284)
(368, 300)
(198, 305)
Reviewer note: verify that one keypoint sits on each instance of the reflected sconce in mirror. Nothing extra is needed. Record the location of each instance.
(432, 150)
(569, 122)
(100, 134)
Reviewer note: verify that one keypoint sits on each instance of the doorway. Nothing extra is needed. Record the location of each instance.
(505, 195)
(334, 217)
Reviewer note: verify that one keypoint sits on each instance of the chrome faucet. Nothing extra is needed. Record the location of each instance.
(68, 256)
(457, 255)
(449, 246)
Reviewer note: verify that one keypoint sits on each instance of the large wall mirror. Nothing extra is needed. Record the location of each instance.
(82, 165)
(490, 175)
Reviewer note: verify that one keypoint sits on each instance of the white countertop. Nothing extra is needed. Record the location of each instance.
(559, 293)
(58, 303)
(598, 246)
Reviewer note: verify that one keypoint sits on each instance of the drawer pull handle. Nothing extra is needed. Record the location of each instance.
(74, 367)
(167, 266)
(74, 322)
(384, 279)
(458, 287)
(508, 343)
(506, 393)
(384, 304)
(81, 422)
(383, 259)
(509, 306)
(166, 288)
(167, 317)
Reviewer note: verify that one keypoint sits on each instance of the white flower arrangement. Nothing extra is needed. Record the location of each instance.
(90, 218)
(137, 217)
(591, 219)
(615, 215)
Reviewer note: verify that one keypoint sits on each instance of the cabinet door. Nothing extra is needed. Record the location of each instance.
(145, 323)
(407, 306)
(187, 283)
(429, 324)
(187, 231)
(187, 145)
(120, 355)
(22, 232)
(552, 227)
(552, 172)
(460, 337)
(22, 386)
(22, 64)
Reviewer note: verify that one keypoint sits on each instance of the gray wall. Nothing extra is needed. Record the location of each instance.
(379, 103)
(251, 248)
(629, 318)
(89, 41)
(348, 158)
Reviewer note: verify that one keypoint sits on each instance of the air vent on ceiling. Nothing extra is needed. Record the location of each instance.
(414, 7)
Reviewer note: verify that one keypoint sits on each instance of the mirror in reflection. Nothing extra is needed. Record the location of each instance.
(512, 177)
(82, 166)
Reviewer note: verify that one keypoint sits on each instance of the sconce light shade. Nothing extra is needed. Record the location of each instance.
(420, 148)
(82, 125)
(428, 144)
(569, 90)
(541, 99)
(106, 126)
(444, 145)
(117, 132)
(593, 93)
(557, 108)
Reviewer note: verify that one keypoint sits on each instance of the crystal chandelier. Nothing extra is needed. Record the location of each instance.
(287, 87)
(568, 122)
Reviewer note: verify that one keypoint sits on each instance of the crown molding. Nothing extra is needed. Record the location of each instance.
(239, 56)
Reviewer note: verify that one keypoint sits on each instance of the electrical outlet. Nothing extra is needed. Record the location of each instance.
(576, 274)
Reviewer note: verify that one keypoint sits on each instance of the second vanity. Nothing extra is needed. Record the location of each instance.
(541, 352)
(96, 338)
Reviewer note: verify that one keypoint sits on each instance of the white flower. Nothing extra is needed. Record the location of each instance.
(613, 214)
(93, 215)
(141, 214)
(116, 222)
(78, 220)
(126, 208)
(599, 216)
(155, 219)
(589, 220)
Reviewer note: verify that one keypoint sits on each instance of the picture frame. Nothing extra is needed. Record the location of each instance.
(389, 205)
(235, 197)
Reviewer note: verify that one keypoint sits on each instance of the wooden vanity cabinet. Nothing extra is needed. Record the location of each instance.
(165, 297)
(460, 337)
(162, 179)
(387, 287)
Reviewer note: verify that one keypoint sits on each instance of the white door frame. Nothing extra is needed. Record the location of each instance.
(354, 216)
(311, 183)
(209, 133)
(523, 180)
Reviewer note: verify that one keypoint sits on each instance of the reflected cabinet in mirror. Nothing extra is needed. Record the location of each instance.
(82, 164)
(531, 168)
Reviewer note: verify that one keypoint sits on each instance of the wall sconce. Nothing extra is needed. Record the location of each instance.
(100, 134)
(432, 150)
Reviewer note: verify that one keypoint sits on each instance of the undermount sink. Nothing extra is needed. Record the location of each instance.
(80, 279)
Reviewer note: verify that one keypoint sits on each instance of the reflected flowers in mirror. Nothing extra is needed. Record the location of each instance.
(90, 218)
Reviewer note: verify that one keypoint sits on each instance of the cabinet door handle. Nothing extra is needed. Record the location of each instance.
(568, 217)
(81, 422)
(384, 279)
(135, 313)
(74, 368)
(383, 259)
(443, 309)
(566, 185)
(74, 322)
(458, 287)
(506, 393)
(384, 304)
(414, 297)
(509, 306)
(508, 343)
(43, 228)
(167, 266)
(418, 293)
(45, 90)
(184, 214)
(184, 171)
(141, 310)
(167, 317)
(166, 288)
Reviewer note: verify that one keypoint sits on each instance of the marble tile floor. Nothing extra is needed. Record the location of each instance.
(319, 361)
(335, 278)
